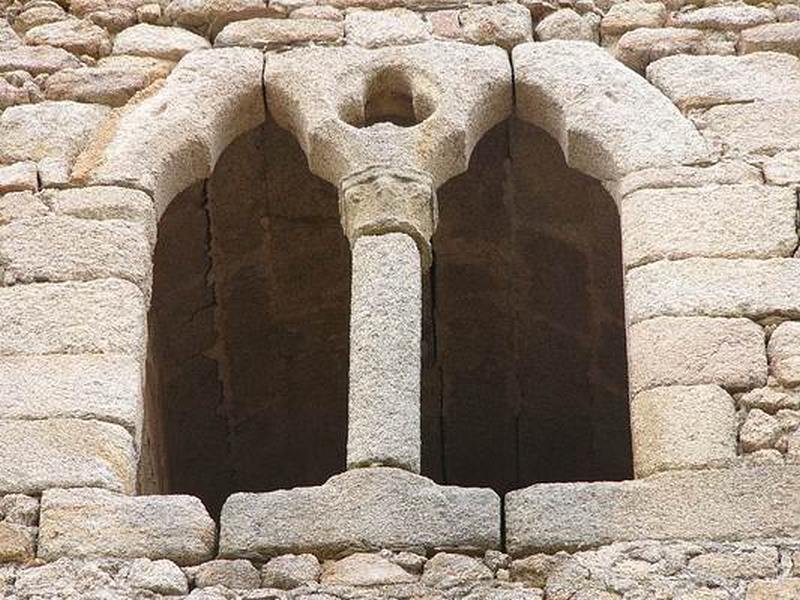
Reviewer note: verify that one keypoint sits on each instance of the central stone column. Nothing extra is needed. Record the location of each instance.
(389, 215)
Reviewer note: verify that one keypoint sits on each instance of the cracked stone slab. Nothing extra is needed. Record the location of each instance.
(715, 505)
(360, 510)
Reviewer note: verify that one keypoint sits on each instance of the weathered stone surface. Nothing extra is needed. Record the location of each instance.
(783, 351)
(762, 127)
(18, 177)
(738, 221)
(567, 89)
(726, 18)
(759, 431)
(155, 68)
(39, 13)
(564, 24)
(365, 510)
(627, 16)
(690, 505)
(682, 427)
(393, 27)
(703, 81)
(16, 543)
(783, 589)
(113, 87)
(72, 318)
(504, 25)
(51, 134)
(215, 14)
(783, 168)
(38, 455)
(365, 569)
(20, 510)
(173, 138)
(83, 386)
(769, 399)
(270, 34)
(173, 527)
(780, 37)
(74, 35)
(696, 350)
(158, 576)
(37, 59)
(760, 561)
(106, 203)
(290, 571)
(445, 571)
(714, 287)
(169, 43)
(640, 47)
(64, 248)
(385, 337)
(233, 574)
(20, 205)
(11, 95)
(8, 37)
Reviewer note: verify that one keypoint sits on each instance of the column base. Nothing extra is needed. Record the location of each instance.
(713, 505)
(361, 510)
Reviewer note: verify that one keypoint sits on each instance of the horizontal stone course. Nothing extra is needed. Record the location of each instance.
(690, 505)
(171, 527)
(360, 510)
(714, 287)
(42, 454)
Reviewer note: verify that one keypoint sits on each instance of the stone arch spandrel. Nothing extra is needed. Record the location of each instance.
(608, 120)
(171, 138)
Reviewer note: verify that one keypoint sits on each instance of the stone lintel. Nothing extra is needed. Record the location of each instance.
(383, 199)
(712, 505)
(361, 510)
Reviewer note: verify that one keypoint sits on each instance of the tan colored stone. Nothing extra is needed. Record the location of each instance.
(113, 87)
(715, 287)
(363, 569)
(682, 427)
(20, 205)
(290, 571)
(782, 589)
(627, 16)
(738, 221)
(783, 351)
(696, 350)
(149, 13)
(761, 127)
(759, 561)
(322, 12)
(780, 37)
(74, 35)
(157, 576)
(216, 14)
(277, 33)
(445, 571)
(393, 27)
(37, 59)
(640, 47)
(34, 16)
(11, 95)
(783, 168)
(173, 527)
(564, 24)
(233, 574)
(64, 248)
(51, 134)
(16, 543)
(73, 318)
(155, 68)
(51, 453)
(726, 18)
(703, 81)
(169, 43)
(21, 176)
(769, 399)
(504, 25)
(760, 431)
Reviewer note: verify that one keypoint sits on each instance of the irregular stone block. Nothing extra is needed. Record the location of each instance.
(714, 287)
(696, 350)
(20, 205)
(158, 576)
(177, 528)
(783, 168)
(724, 18)
(782, 589)
(364, 569)
(169, 43)
(73, 35)
(640, 47)
(393, 27)
(760, 561)
(82, 386)
(104, 316)
(627, 16)
(16, 543)
(703, 81)
(762, 127)
(270, 34)
(21, 176)
(564, 24)
(504, 25)
(682, 427)
(566, 88)
(63, 248)
(51, 453)
(446, 571)
(237, 574)
(113, 87)
(783, 351)
(290, 571)
(737, 221)
(759, 431)
(779, 37)
(37, 59)
(50, 133)
(705, 505)
(365, 510)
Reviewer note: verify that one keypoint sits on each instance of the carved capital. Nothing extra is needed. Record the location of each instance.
(382, 199)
